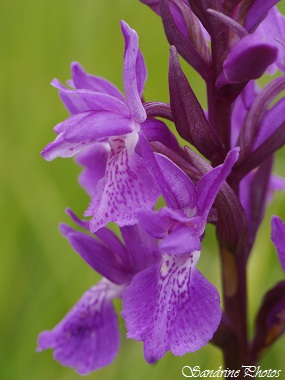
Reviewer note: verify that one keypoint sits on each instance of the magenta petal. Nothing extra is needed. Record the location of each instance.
(96, 101)
(98, 256)
(87, 338)
(278, 238)
(156, 130)
(179, 183)
(210, 184)
(158, 224)
(171, 306)
(94, 161)
(142, 248)
(273, 118)
(134, 71)
(182, 240)
(95, 125)
(126, 188)
(61, 148)
(248, 59)
(257, 12)
(82, 80)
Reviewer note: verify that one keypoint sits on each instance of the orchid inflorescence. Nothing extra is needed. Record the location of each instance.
(130, 159)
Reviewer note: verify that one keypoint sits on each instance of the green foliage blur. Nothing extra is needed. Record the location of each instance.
(40, 276)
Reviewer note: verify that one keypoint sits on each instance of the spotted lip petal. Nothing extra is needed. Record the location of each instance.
(88, 337)
(171, 306)
(126, 188)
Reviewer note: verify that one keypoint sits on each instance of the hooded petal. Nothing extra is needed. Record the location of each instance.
(100, 258)
(171, 306)
(95, 125)
(87, 338)
(278, 238)
(156, 130)
(182, 240)
(159, 224)
(248, 59)
(82, 80)
(179, 184)
(126, 188)
(210, 184)
(95, 100)
(142, 248)
(134, 73)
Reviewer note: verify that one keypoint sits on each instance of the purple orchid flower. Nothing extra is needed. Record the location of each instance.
(88, 337)
(170, 305)
(103, 121)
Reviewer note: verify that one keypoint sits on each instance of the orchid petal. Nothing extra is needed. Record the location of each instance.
(82, 80)
(95, 126)
(182, 240)
(94, 100)
(134, 72)
(142, 248)
(88, 337)
(210, 184)
(179, 183)
(171, 306)
(97, 255)
(156, 130)
(127, 187)
(61, 148)
(94, 160)
(258, 12)
(248, 59)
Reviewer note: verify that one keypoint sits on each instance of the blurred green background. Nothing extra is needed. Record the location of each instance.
(40, 276)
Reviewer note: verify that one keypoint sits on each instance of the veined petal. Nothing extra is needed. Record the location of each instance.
(210, 184)
(88, 337)
(142, 248)
(278, 238)
(248, 59)
(94, 161)
(82, 80)
(171, 306)
(61, 148)
(134, 73)
(158, 224)
(97, 255)
(181, 240)
(95, 125)
(179, 183)
(127, 187)
(94, 100)
(156, 130)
